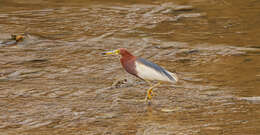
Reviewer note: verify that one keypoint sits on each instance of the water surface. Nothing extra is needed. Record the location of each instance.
(57, 82)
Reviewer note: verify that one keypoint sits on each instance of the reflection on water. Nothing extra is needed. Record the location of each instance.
(56, 81)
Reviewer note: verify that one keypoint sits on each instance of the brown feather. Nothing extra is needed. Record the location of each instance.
(128, 61)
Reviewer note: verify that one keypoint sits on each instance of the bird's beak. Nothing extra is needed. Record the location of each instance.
(115, 52)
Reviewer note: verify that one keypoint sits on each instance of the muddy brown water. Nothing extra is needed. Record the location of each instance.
(57, 82)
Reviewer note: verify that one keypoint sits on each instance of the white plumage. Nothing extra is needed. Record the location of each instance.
(150, 72)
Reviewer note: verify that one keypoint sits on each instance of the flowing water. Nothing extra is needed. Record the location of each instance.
(57, 82)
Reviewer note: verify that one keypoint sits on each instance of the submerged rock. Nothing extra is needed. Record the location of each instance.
(251, 99)
(183, 8)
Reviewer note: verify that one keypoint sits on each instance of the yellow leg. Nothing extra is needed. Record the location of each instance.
(150, 93)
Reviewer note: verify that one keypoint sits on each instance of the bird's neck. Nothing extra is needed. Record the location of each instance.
(128, 62)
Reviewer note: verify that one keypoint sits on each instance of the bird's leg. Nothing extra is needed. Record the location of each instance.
(150, 93)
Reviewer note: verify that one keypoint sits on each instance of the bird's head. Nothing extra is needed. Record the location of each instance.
(121, 51)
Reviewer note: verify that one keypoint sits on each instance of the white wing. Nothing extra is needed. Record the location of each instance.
(150, 73)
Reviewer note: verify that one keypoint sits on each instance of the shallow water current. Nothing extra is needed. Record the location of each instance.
(56, 81)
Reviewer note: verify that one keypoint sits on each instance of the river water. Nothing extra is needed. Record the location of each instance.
(57, 82)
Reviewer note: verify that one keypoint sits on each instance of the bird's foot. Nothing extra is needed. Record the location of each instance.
(149, 95)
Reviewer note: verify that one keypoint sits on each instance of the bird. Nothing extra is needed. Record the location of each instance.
(13, 40)
(17, 38)
(144, 69)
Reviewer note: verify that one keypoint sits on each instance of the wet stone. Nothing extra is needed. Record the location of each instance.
(189, 15)
(168, 110)
(184, 60)
(119, 83)
(255, 100)
(183, 8)
(106, 116)
(37, 60)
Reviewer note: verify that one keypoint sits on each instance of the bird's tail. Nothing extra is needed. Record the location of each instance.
(174, 76)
